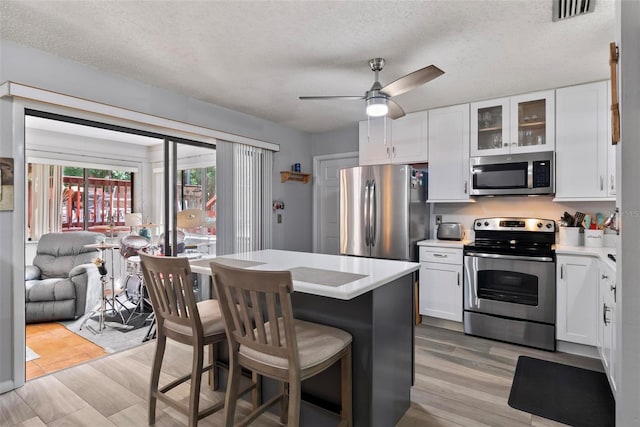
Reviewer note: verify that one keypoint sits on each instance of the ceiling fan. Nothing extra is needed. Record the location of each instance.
(378, 98)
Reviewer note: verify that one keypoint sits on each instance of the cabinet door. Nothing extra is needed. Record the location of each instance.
(581, 149)
(449, 153)
(532, 123)
(374, 141)
(441, 291)
(607, 322)
(490, 127)
(577, 299)
(409, 139)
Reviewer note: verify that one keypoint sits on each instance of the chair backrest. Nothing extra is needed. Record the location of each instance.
(168, 281)
(256, 308)
(58, 253)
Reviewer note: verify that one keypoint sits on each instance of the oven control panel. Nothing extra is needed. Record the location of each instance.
(515, 224)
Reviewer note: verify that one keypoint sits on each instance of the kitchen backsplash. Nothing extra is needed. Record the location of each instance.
(520, 206)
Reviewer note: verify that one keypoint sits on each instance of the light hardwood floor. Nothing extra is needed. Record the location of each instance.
(460, 381)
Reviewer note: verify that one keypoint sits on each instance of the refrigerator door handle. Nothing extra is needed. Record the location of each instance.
(373, 217)
(367, 238)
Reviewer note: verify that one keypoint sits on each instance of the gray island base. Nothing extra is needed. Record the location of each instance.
(381, 322)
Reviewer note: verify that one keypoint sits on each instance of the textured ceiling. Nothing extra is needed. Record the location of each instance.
(258, 57)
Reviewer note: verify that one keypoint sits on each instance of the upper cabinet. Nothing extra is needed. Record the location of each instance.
(585, 159)
(517, 124)
(374, 141)
(449, 154)
(401, 141)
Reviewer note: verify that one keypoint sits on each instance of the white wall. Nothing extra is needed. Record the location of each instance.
(343, 140)
(628, 300)
(36, 68)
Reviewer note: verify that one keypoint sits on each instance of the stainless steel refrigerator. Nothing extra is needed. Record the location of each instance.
(383, 211)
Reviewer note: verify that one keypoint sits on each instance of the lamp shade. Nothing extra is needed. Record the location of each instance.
(133, 219)
(191, 218)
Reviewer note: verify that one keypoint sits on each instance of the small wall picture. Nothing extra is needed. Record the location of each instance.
(6, 184)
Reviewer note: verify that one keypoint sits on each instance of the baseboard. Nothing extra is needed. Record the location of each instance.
(579, 349)
(442, 323)
(6, 386)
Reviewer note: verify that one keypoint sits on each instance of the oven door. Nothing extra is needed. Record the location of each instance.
(520, 287)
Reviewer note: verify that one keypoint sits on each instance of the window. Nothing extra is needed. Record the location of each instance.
(69, 198)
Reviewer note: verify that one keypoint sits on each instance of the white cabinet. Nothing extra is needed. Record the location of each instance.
(401, 141)
(449, 154)
(577, 299)
(374, 141)
(585, 165)
(409, 139)
(441, 283)
(607, 323)
(517, 124)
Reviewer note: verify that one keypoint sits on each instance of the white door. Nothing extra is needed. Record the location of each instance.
(326, 200)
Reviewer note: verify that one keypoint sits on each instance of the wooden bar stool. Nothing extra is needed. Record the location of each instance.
(264, 336)
(180, 318)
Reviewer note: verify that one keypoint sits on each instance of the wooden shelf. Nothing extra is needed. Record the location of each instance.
(491, 129)
(295, 176)
(530, 124)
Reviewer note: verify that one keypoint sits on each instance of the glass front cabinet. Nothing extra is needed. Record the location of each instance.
(517, 124)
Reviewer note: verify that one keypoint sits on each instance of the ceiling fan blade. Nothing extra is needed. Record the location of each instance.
(412, 80)
(395, 111)
(330, 97)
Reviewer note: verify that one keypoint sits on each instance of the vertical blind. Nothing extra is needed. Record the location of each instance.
(244, 220)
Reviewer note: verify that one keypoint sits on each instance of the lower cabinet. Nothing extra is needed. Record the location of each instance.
(441, 283)
(607, 323)
(577, 299)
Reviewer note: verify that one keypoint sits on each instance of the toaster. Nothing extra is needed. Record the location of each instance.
(450, 231)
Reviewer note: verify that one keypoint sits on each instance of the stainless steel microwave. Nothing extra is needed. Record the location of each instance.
(514, 174)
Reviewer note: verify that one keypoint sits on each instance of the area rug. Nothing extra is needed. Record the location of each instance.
(115, 336)
(575, 396)
(30, 355)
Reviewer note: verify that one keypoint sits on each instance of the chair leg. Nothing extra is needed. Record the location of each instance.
(284, 407)
(256, 393)
(161, 344)
(196, 379)
(233, 383)
(346, 388)
(214, 373)
(294, 401)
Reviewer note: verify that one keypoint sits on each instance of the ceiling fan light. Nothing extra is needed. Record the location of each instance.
(377, 106)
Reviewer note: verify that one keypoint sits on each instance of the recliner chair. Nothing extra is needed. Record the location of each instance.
(62, 283)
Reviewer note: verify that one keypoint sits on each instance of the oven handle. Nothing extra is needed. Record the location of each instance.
(511, 257)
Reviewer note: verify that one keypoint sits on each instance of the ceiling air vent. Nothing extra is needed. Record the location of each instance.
(563, 9)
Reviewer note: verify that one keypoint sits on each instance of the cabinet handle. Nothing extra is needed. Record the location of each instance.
(613, 186)
(615, 292)
(505, 144)
(440, 255)
(388, 156)
(605, 277)
(604, 314)
(562, 271)
(393, 149)
(514, 143)
(465, 187)
(601, 182)
(458, 278)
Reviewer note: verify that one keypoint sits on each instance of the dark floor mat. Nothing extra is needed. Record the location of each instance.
(575, 396)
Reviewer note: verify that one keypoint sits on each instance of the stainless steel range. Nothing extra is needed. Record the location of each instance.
(510, 281)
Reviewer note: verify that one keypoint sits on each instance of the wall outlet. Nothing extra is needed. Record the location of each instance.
(438, 219)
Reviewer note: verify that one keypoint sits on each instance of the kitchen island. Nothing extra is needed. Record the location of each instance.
(370, 298)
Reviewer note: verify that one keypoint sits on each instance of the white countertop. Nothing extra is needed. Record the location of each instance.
(584, 251)
(458, 244)
(378, 271)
